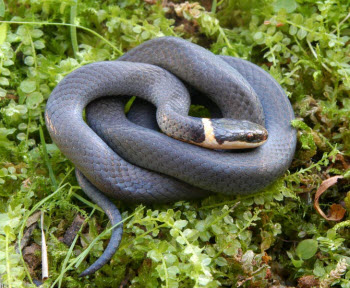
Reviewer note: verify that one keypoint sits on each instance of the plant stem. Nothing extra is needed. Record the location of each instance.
(73, 29)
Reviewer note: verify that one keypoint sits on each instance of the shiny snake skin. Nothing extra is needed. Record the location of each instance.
(136, 163)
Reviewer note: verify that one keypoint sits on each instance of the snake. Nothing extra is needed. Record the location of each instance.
(245, 147)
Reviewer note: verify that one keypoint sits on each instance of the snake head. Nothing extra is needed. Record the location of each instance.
(228, 133)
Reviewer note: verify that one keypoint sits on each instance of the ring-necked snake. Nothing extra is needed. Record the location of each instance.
(140, 164)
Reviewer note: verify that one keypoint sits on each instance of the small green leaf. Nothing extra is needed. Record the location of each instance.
(21, 136)
(4, 141)
(203, 280)
(4, 220)
(259, 200)
(173, 271)
(34, 99)
(319, 271)
(180, 224)
(145, 35)
(180, 240)
(206, 261)
(300, 124)
(288, 5)
(137, 29)
(258, 35)
(232, 248)
(298, 19)
(37, 33)
(301, 34)
(38, 44)
(170, 259)
(4, 81)
(221, 261)
(29, 60)
(293, 30)
(155, 255)
(297, 263)
(216, 229)
(307, 249)
(27, 86)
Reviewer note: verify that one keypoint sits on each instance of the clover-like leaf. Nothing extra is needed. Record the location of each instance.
(307, 249)
(28, 86)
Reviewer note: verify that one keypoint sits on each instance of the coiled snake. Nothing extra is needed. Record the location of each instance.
(141, 164)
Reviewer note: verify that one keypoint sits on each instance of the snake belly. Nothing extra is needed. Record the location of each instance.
(136, 163)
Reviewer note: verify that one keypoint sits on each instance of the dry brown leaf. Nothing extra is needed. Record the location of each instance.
(308, 281)
(73, 230)
(152, 2)
(266, 258)
(31, 255)
(33, 218)
(26, 237)
(336, 212)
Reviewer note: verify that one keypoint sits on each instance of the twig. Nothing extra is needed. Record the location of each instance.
(45, 265)
(311, 48)
(341, 22)
(20, 234)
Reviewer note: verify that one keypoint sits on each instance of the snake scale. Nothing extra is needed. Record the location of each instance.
(129, 159)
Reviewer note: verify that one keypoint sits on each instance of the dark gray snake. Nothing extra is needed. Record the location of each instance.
(139, 164)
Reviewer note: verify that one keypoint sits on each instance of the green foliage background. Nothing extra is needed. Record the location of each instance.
(271, 238)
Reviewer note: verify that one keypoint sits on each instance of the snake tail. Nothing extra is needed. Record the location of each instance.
(113, 215)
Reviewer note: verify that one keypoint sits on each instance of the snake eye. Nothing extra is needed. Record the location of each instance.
(250, 136)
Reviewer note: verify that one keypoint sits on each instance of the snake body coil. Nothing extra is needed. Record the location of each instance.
(141, 164)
